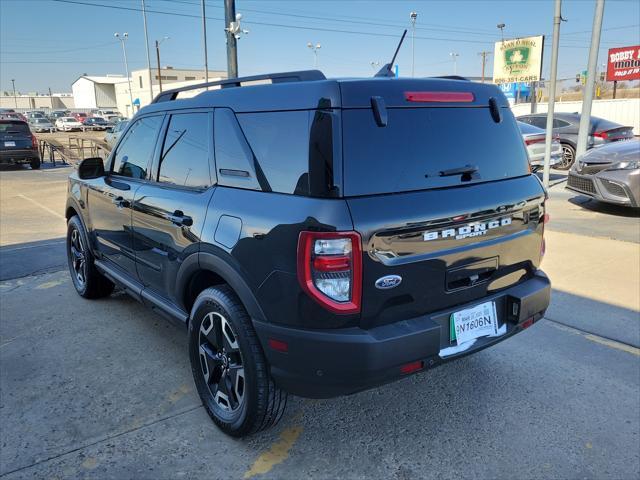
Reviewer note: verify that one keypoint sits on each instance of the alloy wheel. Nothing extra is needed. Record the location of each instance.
(567, 156)
(221, 362)
(78, 257)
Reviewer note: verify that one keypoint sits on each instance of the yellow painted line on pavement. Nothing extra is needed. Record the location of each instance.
(278, 452)
(613, 344)
(46, 209)
(51, 284)
(595, 338)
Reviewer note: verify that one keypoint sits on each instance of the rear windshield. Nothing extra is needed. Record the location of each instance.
(7, 128)
(419, 143)
(527, 129)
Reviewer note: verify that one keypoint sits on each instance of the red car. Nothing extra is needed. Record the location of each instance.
(80, 116)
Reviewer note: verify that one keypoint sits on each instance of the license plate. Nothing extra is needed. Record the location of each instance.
(475, 322)
(9, 144)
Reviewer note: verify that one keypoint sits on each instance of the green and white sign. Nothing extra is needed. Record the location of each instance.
(518, 60)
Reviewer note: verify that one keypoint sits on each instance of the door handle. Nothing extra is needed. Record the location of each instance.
(120, 202)
(180, 219)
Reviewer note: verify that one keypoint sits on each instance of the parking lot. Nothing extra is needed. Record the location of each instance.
(103, 389)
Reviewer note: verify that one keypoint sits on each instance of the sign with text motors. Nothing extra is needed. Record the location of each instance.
(623, 63)
(518, 60)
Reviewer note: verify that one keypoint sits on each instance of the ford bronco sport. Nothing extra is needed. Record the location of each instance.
(317, 237)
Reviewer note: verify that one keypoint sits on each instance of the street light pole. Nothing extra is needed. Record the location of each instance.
(455, 56)
(413, 16)
(585, 115)
(15, 98)
(232, 29)
(315, 49)
(122, 39)
(146, 50)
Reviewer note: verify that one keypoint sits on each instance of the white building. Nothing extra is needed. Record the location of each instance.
(96, 91)
(171, 78)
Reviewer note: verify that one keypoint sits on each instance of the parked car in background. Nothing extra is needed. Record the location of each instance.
(12, 116)
(41, 125)
(534, 139)
(17, 144)
(566, 126)
(56, 114)
(113, 133)
(68, 124)
(97, 123)
(610, 173)
(34, 114)
(80, 116)
(104, 112)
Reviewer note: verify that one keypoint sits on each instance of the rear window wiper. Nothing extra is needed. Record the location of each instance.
(466, 170)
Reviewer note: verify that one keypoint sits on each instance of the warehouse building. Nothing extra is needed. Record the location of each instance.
(169, 77)
(96, 91)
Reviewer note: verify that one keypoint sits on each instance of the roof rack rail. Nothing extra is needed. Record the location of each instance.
(453, 77)
(299, 76)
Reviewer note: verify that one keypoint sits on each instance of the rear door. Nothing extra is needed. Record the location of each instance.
(452, 237)
(169, 211)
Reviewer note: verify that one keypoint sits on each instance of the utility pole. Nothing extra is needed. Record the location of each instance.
(146, 50)
(122, 39)
(158, 60)
(230, 20)
(204, 38)
(50, 98)
(15, 98)
(484, 61)
(413, 16)
(585, 115)
(557, 18)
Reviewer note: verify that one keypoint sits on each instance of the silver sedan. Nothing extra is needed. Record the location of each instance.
(534, 139)
(610, 173)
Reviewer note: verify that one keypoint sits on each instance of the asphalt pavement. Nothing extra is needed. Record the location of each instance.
(103, 389)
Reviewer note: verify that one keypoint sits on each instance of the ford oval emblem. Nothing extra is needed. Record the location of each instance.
(389, 281)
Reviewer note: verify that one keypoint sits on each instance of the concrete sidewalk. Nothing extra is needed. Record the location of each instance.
(596, 284)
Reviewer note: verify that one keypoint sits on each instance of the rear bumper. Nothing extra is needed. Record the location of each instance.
(329, 363)
(18, 156)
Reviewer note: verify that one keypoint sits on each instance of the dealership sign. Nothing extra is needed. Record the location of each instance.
(623, 64)
(518, 60)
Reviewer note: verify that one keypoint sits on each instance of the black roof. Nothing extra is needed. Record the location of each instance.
(313, 91)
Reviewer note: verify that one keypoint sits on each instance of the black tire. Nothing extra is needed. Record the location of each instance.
(35, 164)
(87, 280)
(567, 158)
(228, 364)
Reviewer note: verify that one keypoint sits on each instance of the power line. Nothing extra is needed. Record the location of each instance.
(89, 47)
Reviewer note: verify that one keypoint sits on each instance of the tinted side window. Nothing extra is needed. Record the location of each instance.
(185, 153)
(235, 164)
(136, 149)
(280, 142)
(540, 122)
(559, 123)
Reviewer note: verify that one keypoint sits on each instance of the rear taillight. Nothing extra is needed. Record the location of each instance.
(447, 97)
(531, 141)
(602, 135)
(34, 142)
(330, 269)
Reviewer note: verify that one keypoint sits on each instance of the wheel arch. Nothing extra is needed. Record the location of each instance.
(204, 270)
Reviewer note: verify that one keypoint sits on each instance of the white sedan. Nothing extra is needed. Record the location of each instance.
(68, 124)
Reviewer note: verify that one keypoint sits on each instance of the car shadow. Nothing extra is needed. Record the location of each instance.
(597, 206)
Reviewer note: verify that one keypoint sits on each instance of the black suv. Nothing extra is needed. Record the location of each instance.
(317, 236)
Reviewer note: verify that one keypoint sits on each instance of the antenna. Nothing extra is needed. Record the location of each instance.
(387, 71)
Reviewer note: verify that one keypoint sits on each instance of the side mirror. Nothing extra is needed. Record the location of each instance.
(109, 130)
(91, 168)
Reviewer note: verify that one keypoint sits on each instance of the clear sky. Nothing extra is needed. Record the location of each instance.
(49, 43)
